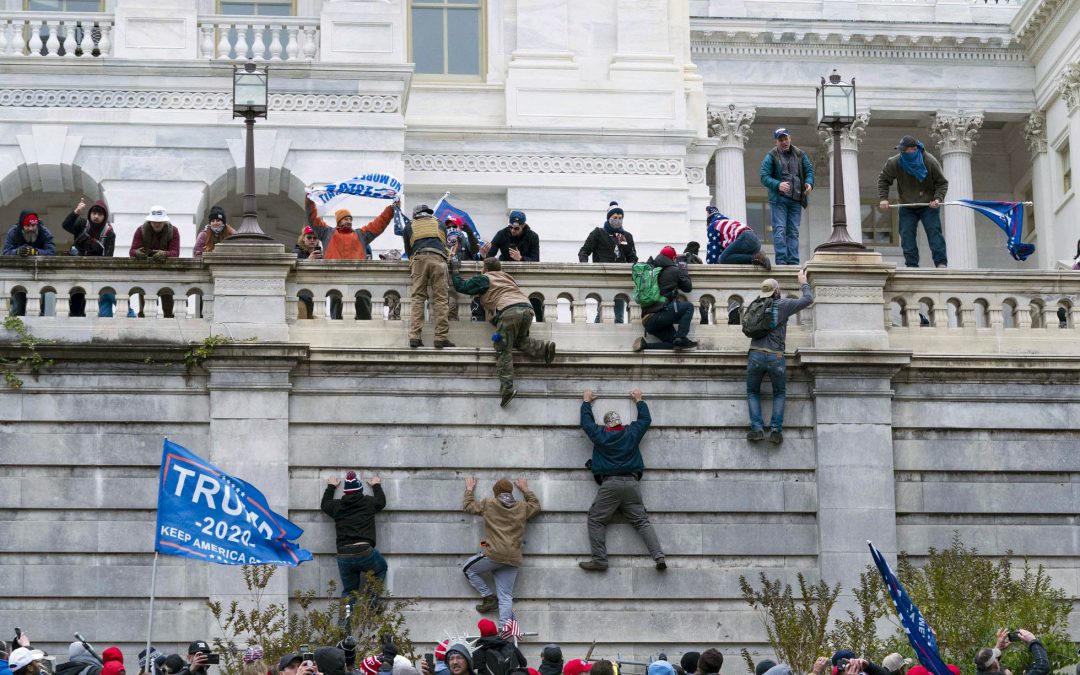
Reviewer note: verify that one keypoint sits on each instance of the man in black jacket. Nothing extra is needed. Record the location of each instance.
(516, 242)
(94, 236)
(988, 660)
(668, 319)
(610, 244)
(354, 522)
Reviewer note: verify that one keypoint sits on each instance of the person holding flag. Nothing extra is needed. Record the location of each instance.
(919, 179)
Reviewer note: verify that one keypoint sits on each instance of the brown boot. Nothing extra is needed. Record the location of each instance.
(490, 603)
(762, 260)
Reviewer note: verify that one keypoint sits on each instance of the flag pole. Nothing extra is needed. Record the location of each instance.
(150, 620)
(920, 205)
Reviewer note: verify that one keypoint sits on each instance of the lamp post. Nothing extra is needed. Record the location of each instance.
(836, 109)
(249, 101)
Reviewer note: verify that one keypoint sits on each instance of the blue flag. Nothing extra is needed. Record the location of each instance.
(1009, 216)
(919, 633)
(206, 514)
(445, 208)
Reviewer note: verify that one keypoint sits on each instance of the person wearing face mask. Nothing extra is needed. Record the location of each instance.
(27, 238)
(94, 236)
(610, 243)
(216, 229)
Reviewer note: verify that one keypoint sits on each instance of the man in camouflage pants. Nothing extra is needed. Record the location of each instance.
(510, 310)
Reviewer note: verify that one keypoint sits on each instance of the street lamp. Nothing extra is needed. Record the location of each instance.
(836, 109)
(249, 101)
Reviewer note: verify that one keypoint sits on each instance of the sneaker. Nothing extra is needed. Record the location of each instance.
(439, 344)
(683, 343)
(507, 397)
(661, 564)
(593, 566)
(414, 343)
(761, 260)
(776, 438)
(549, 352)
(755, 435)
(490, 603)
(639, 344)
(941, 266)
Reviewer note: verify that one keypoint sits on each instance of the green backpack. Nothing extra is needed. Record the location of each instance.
(646, 284)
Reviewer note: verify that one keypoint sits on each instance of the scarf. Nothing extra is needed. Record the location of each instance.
(214, 237)
(617, 427)
(914, 165)
(506, 499)
(607, 228)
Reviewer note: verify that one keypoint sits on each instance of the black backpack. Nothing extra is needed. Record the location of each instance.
(760, 317)
(501, 660)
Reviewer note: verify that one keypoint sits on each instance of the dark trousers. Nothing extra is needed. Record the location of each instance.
(353, 569)
(663, 324)
(363, 308)
(909, 227)
(740, 251)
(620, 494)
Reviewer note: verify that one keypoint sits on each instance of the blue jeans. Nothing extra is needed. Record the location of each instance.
(757, 366)
(662, 324)
(741, 251)
(106, 302)
(620, 307)
(786, 215)
(909, 227)
(353, 570)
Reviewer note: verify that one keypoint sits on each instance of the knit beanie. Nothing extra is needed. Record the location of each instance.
(693, 247)
(30, 218)
(440, 650)
(370, 665)
(614, 209)
(689, 661)
(763, 666)
(217, 213)
(112, 654)
(341, 213)
(352, 483)
(487, 627)
(502, 485)
(669, 251)
(552, 653)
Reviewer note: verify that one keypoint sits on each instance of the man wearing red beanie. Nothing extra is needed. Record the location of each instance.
(493, 655)
(668, 318)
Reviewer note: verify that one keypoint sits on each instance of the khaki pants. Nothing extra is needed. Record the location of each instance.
(514, 324)
(428, 270)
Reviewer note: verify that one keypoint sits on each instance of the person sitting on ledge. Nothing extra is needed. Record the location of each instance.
(668, 319)
(732, 242)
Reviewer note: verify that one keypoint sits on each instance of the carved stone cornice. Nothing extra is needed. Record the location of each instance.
(731, 126)
(956, 132)
(850, 136)
(193, 100)
(637, 166)
(1035, 132)
(1034, 15)
(1068, 85)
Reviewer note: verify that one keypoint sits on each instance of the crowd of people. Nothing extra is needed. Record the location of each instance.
(492, 652)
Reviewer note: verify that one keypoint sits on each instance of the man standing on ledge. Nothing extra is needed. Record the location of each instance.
(919, 180)
(617, 467)
(425, 244)
(788, 174)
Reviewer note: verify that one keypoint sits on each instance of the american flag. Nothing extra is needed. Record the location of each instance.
(721, 231)
(511, 630)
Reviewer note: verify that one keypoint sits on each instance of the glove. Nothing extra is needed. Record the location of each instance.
(455, 264)
(160, 256)
(141, 254)
(389, 651)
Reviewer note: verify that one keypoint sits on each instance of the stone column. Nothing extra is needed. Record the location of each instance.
(731, 128)
(1041, 188)
(955, 135)
(1065, 232)
(850, 139)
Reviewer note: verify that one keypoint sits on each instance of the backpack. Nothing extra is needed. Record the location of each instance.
(760, 317)
(500, 661)
(646, 284)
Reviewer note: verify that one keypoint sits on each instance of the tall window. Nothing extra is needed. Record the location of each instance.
(64, 5)
(1066, 168)
(757, 217)
(256, 7)
(447, 36)
(878, 227)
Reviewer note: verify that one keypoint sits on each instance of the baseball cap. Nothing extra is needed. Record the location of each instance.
(782, 131)
(22, 657)
(286, 660)
(907, 142)
(198, 646)
(421, 210)
(894, 662)
(768, 288)
(517, 216)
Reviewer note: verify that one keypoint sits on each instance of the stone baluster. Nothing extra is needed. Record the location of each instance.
(955, 134)
(105, 43)
(607, 311)
(850, 139)
(52, 43)
(996, 320)
(149, 306)
(911, 315)
(35, 39)
(551, 307)
(18, 43)
(86, 44)
(206, 41)
(378, 307)
(967, 316)
(579, 310)
(941, 316)
(348, 306)
(1023, 315)
(292, 49)
(69, 40)
(4, 37)
(1074, 316)
(311, 42)
(63, 305)
(223, 46)
(1049, 317)
(123, 302)
(258, 43)
(241, 42)
(33, 302)
(275, 43)
(731, 128)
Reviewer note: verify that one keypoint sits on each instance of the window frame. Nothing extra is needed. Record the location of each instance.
(26, 7)
(482, 57)
(1064, 168)
(256, 3)
(894, 224)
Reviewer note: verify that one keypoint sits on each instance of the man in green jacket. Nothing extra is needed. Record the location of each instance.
(504, 535)
(511, 312)
(919, 180)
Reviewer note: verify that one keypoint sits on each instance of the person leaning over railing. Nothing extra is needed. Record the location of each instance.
(94, 237)
(610, 243)
(27, 238)
(217, 229)
(157, 240)
(308, 247)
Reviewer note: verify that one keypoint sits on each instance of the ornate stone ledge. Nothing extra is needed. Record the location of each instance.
(637, 166)
(193, 100)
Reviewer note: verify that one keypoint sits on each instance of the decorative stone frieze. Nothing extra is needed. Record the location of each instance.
(857, 47)
(636, 166)
(193, 100)
(956, 132)
(695, 175)
(1035, 132)
(731, 126)
(1068, 85)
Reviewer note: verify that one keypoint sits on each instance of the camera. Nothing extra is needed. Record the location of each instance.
(306, 654)
(1014, 636)
(843, 664)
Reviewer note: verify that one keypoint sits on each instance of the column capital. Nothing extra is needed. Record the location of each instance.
(1068, 85)
(1035, 132)
(731, 125)
(851, 136)
(956, 132)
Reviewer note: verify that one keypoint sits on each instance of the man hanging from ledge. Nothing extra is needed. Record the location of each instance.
(508, 308)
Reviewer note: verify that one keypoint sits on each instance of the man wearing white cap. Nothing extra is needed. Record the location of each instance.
(896, 664)
(157, 240)
(767, 357)
(25, 661)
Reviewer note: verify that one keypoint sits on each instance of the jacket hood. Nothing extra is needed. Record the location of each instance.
(26, 212)
(662, 260)
(100, 204)
(77, 652)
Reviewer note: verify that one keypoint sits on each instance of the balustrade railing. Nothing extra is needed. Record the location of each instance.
(258, 38)
(55, 34)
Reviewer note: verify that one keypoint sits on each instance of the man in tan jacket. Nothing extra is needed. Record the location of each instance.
(500, 554)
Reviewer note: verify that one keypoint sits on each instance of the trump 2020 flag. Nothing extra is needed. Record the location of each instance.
(445, 208)
(377, 185)
(919, 633)
(206, 514)
(1009, 216)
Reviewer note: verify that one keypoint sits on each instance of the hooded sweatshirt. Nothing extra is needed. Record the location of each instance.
(92, 239)
(15, 239)
(80, 662)
(504, 527)
(671, 280)
(354, 516)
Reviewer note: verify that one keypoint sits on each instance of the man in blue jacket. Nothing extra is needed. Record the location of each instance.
(617, 467)
(789, 176)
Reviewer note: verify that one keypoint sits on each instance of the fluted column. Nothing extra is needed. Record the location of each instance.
(731, 128)
(850, 139)
(955, 135)
(1041, 188)
(1064, 233)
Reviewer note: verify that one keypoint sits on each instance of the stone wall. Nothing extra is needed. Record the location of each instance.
(898, 433)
